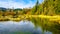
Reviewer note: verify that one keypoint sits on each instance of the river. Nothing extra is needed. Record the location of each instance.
(33, 26)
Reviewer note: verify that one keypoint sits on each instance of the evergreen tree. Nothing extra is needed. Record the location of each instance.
(34, 10)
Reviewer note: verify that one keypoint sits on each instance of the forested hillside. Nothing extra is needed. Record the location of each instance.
(48, 7)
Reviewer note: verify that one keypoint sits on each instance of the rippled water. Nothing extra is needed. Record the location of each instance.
(22, 27)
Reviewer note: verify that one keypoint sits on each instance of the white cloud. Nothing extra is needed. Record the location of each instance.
(11, 3)
(30, 4)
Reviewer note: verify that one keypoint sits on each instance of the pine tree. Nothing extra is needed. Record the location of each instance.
(34, 10)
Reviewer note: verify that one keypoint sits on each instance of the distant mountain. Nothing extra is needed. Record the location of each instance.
(3, 9)
(18, 9)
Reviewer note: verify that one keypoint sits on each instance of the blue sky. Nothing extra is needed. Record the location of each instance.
(18, 3)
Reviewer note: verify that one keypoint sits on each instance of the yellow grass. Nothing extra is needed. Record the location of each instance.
(53, 18)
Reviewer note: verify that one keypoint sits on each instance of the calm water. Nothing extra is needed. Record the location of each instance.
(24, 27)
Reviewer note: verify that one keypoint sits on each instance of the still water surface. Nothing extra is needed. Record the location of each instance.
(22, 27)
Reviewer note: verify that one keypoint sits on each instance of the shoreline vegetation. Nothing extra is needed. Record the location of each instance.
(56, 17)
(21, 17)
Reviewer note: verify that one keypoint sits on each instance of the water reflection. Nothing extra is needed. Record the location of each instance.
(22, 27)
(47, 26)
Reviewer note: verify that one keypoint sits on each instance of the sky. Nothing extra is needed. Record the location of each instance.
(18, 3)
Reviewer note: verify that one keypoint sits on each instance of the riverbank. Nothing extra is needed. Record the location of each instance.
(21, 17)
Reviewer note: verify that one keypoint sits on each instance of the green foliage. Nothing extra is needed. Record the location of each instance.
(48, 7)
(35, 8)
(52, 7)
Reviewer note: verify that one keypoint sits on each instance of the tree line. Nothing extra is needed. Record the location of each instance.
(47, 7)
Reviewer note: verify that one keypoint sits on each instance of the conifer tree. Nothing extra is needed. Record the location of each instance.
(34, 10)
